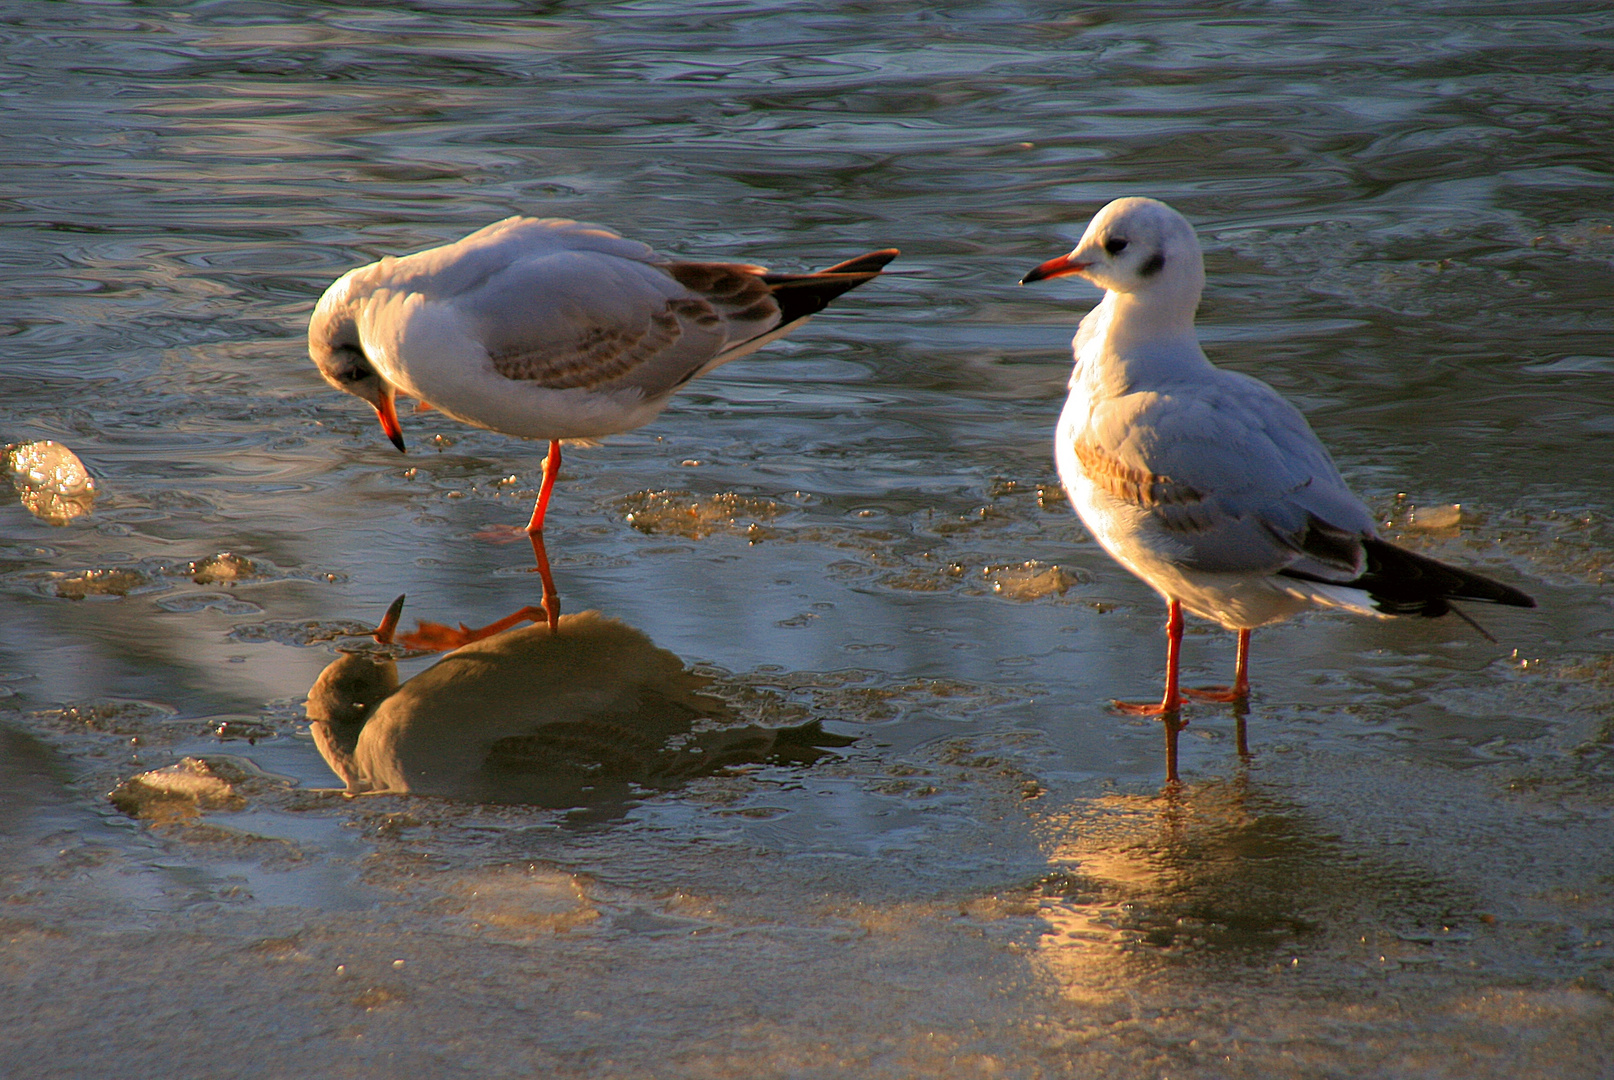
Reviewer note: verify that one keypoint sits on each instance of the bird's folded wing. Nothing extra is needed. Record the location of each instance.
(460, 268)
(588, 320)
(1229, 477)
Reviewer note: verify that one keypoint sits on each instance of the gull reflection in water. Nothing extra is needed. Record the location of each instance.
(589, 714)
(1213, 874)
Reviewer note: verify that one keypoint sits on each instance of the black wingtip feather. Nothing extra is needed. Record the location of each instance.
(871, 263)
(801, 295)
(1402, 582)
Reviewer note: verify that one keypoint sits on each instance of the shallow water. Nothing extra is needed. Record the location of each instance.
(1406, 215)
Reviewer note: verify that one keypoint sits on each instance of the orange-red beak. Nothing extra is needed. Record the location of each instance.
(1055, 268)
(387, 413)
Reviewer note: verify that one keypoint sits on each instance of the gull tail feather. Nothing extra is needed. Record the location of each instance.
(1401, 582)
(801, 295)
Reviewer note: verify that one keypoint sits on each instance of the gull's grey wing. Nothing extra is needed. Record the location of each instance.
(564, 305)
(567, 305)
(583, 320)
(1230, 474)
(571, 319)
(595, 319)
(468, 264)
(550, 302)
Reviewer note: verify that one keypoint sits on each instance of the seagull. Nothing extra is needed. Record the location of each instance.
(1204, 482)
(552, 329)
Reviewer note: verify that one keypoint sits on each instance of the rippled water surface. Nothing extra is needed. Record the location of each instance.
(855, 535)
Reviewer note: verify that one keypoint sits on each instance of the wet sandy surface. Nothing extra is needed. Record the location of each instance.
(1406, 226)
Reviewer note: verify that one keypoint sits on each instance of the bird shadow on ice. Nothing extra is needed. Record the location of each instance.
(590, 715)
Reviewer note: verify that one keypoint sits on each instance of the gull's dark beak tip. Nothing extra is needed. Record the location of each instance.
(389, 622)
(1056, 267)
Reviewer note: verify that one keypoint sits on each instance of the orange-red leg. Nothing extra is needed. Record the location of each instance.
(1172, 700)
(439, 638)
(1173, 724)
(1241, 669)
(1240, 690)
(551, 601)
(436, 636)
(551, 471)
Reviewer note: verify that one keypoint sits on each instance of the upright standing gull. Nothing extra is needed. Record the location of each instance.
(1206, 483)
(553, 329)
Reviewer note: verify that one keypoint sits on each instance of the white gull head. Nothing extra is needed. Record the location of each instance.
(337, 349)
(1137, 247)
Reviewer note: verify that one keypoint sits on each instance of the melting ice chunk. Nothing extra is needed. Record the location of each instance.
(50, 480)
(1430, 518)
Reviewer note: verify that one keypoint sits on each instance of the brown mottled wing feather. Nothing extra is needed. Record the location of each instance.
(652, 326)
(732, 292)
(598, 355)
(651, 345)
(1130, 484)
(573, 319)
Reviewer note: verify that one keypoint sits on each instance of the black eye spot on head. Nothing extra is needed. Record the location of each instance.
(351, 364)
(1115, 245)
(1153, 265)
